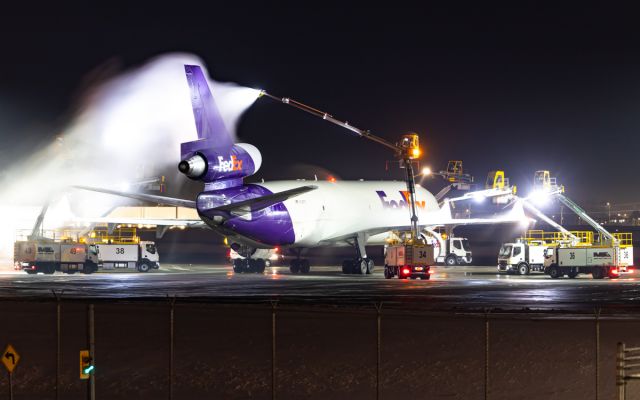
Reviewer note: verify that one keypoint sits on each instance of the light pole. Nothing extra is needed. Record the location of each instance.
(608, 212)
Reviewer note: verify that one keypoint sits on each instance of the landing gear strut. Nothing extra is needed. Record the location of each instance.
(361, 265)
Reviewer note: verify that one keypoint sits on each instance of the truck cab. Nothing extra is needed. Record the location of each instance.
(521, 257)
(457, 251)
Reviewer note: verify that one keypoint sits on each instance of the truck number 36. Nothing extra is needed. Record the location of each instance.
(119, 250)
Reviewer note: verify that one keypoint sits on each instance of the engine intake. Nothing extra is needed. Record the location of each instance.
(194, 167)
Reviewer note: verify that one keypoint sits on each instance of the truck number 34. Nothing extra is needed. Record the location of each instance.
(572, 255)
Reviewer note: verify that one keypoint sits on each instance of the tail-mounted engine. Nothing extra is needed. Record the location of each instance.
(227, 164)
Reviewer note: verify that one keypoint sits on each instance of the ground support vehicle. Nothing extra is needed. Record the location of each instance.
(47, 256)
(453, 251)
(522, 257)
(142, 256)
(599, 261)
(408, 261)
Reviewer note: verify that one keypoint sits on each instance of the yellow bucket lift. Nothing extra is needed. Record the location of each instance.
(556, 238)
(121, 235)
(625, 239)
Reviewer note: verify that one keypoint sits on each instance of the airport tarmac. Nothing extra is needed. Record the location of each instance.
(450, 288)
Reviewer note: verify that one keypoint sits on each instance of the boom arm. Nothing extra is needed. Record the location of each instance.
(405, 150)
(330, 118)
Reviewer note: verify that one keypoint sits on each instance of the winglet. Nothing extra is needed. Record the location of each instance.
(209, 123)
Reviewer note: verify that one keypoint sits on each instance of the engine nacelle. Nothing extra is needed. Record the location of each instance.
(210, 164)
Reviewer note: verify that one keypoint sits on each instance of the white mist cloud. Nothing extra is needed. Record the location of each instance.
(129, 126)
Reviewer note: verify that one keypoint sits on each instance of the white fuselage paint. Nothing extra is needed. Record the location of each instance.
(340, 209)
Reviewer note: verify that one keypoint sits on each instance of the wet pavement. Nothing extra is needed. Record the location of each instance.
(454, 288)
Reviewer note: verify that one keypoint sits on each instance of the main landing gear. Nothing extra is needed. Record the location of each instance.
(249, 265)
(299, 265)
(362, 264)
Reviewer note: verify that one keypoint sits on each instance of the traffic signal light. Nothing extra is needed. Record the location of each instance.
(86, 364)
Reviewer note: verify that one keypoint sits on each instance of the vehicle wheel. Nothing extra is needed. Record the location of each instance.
(360, 266)
(49, 270)
(370, 266)
(259, 265)
(31, 272)
(523, 269)
(347, 266)
(295, 266)
(572, 274)
(304, 266)
(388, 274)
(143, 267)
(597, 273)
(426, 277)
(450, 261)
(554, 272)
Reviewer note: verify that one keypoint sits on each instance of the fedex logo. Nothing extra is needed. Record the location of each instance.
(402, 203)
(227, 166)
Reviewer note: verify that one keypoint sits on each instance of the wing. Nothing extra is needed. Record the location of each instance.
(169, 201)
(238, 208)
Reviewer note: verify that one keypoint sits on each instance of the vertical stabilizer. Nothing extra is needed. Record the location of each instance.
(209, 123)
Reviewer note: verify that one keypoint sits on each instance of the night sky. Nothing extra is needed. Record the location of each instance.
(520, 88)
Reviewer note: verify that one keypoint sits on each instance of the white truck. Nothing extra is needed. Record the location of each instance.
(449, 250)
(408, 261)
(598, 261)
(522, 257)
(142, 256)
(33, 256)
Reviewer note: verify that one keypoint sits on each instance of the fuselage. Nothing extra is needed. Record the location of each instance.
(332, 213)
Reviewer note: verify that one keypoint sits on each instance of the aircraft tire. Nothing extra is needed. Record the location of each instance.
(360, 266)
(295, 266)
(259, 265)
(370, 266)
(388, 273)
(237, 266)
(305, 267)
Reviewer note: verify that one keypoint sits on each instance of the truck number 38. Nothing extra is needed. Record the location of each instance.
(119, 250)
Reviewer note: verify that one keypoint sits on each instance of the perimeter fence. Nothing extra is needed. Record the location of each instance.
(182, 348)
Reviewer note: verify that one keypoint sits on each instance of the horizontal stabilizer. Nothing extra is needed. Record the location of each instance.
(170, 201)
(258, 203)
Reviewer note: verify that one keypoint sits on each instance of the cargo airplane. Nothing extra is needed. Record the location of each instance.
(258, 217)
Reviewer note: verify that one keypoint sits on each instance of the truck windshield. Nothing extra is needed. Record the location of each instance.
(505, 251)
(465, 245)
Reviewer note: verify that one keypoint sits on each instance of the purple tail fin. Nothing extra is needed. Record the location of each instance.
(209, 123)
